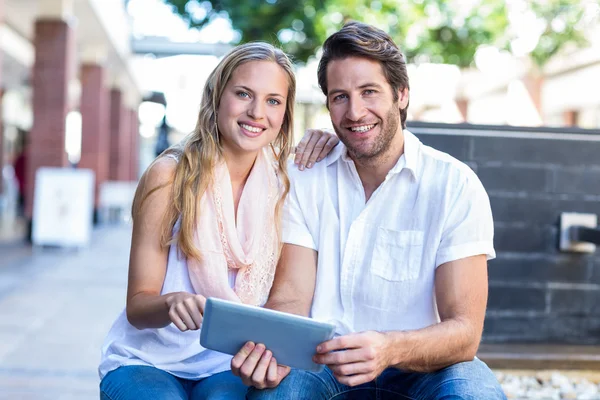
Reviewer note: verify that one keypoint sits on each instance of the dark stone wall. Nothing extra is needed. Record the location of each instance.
(536, 293)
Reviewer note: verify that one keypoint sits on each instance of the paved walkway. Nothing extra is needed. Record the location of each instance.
(56, 306)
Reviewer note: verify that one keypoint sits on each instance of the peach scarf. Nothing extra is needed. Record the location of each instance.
(251, 247)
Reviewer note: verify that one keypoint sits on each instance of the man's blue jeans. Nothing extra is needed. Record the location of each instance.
(142, 382)
(468, 380)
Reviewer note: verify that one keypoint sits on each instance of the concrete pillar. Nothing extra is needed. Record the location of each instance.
(135, 145)
(53, 69)
(55, 9)
(94, 109)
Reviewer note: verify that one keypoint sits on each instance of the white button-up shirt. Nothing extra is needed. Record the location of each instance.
(377, 260)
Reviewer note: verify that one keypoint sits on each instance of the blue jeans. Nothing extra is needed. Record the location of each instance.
(468, 380)
(143, 382)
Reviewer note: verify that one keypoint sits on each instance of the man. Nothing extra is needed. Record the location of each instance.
(396, 236)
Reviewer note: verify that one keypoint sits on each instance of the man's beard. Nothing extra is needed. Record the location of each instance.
(381, 142)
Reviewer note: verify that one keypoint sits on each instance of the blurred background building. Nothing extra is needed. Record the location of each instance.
(75, 74)
(70, 97)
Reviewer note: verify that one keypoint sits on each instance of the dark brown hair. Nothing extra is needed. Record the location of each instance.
(356, 39)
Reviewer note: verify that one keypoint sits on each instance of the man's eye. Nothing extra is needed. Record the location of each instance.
(339, 97)
(369, 91)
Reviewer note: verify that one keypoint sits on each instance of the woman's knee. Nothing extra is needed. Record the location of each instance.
(137, 382)
(221, 386)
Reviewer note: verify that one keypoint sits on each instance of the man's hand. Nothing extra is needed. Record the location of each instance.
(356, 358)
(257, 367)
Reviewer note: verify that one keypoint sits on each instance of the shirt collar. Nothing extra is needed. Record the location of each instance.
(409, 160)
(412, 150)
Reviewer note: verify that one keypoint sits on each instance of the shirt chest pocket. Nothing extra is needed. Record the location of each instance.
(397, 255)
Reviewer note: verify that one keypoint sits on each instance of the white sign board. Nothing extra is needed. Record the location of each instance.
(116, 197)
(117, 194)
(63, 206)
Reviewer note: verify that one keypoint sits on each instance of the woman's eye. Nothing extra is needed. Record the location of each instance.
(243, 94)
(274, 102)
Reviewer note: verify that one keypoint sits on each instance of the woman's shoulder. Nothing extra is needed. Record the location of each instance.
(312, 175)
(171, 156)
(159, 174)
(156, 182)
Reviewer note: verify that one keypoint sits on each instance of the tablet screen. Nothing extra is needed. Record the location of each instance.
(292, 339)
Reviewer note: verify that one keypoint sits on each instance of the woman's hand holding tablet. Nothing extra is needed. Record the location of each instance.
(257, 367)
(292, 339)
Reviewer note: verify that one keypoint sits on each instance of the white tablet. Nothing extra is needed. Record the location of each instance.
(227, 326)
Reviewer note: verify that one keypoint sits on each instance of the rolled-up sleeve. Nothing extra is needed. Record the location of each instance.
(295, 227)
(469, 226)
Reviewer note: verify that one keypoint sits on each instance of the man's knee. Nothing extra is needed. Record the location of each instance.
(278, 393)
(468, 380)
(298, 385)
(465, 389)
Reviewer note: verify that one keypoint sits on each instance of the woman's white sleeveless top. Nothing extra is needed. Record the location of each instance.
(168, 349)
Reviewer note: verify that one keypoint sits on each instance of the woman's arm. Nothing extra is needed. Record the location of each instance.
(146, 308)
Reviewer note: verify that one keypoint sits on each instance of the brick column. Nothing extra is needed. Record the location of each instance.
(115, 128)
(54, 52)
(135, 145)
(570, 117)
(1, 128)
(533, 83)
(1, 95)
(120, 142)
(94, 120)
(125, 148)
(463, 108)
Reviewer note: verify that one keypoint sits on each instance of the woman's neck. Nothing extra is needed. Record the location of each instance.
(239, 166)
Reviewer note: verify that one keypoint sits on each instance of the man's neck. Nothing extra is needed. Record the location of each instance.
(372, 172)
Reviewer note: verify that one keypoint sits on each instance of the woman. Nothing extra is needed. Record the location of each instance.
(206, 223)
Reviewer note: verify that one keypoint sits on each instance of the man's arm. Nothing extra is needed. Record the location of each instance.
(461, 295)
(461, 290)
(460, 285)
(295, 278)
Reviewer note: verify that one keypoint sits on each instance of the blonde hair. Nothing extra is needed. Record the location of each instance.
(200, 151)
